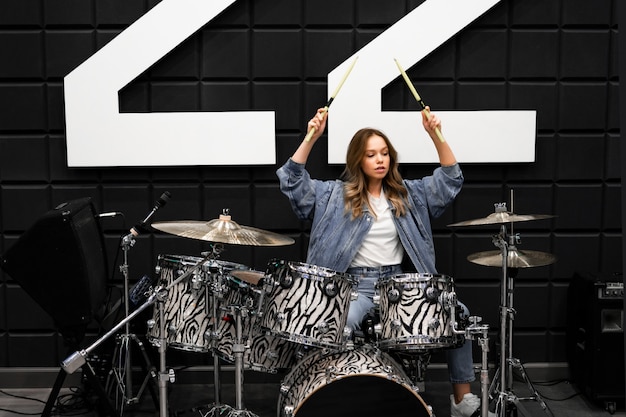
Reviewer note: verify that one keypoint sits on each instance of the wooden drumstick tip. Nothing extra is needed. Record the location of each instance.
(308, 136)
(417, 97)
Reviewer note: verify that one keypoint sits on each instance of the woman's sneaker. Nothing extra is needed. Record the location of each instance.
(466, 407)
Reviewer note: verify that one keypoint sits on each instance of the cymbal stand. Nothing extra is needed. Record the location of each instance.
(501, 389)
(122, 374)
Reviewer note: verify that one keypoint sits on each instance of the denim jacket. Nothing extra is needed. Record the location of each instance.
(336, 237)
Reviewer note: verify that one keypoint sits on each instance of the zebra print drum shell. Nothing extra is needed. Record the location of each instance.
(187, 307)
(412, 315)
(360, 382)
(308, 304)
(265, 353)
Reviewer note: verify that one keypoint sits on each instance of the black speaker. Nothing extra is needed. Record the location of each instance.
(595, 335)
(60, 262)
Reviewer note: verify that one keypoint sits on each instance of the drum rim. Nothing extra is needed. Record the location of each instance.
(296, 266)
(190, 260)
(382, 357)
(410, 277)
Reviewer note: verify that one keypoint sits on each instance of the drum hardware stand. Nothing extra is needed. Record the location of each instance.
(122, 375)
(79, 358)
(475, 329)
(216, 408)
(501, 388)
(239, 349)
(415, 366)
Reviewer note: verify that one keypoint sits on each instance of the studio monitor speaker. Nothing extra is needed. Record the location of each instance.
(60, 262)
(595, 335)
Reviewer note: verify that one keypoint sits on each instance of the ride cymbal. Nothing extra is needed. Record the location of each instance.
(223, 230)
(515, 258)
(501, 217)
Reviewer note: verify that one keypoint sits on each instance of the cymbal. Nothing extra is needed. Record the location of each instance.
(516, 258)
(501, 217)
(223, 230)
(249, 276)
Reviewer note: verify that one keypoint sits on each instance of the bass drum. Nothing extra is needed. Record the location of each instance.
(364, 382)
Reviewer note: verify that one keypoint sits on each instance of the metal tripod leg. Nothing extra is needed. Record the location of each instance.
(515, 363)
(117, 381)
(238, 350)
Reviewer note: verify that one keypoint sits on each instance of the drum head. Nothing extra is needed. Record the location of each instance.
(363, 396)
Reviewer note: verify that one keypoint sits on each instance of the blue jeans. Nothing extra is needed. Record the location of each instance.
(460, 360)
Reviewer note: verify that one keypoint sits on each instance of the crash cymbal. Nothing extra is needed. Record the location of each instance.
(501, 217)
(223, 230)
(516, 258)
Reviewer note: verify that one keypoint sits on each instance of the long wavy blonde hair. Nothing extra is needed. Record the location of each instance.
(355, 181)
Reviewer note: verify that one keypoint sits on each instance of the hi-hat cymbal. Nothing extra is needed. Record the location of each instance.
(501, 217)
(223, 230)
(515, 258)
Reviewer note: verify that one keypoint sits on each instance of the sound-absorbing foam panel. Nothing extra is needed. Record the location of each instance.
(60, 262)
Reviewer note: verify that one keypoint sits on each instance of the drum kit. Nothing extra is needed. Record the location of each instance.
(292, 316)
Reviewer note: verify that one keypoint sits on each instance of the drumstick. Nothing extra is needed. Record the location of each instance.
(418, 98)
(332, 97)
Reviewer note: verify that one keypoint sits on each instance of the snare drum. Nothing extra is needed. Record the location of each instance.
(187, 307)
(413, 312)
(308, 304)
(360, 382)
(264, 353)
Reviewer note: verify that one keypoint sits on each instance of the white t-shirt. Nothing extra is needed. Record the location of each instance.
(381, 245)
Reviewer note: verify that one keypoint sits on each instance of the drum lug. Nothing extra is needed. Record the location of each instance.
(280, 317)
(322, 327)
(331, 373)
(288, 410)
(354, 294)
(394, 294)
(285, 280)
(432, 294)
(330, 288)
(171, 328)
(434, 323)
(151, 323)
(395, 324)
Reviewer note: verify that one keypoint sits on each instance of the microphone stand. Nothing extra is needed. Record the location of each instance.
(123, 374)
(79, 358)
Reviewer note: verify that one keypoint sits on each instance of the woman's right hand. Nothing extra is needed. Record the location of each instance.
(318, 122)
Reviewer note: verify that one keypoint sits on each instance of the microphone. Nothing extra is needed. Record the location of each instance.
(165, 197)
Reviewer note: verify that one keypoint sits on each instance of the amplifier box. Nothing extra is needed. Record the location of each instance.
(595, 336)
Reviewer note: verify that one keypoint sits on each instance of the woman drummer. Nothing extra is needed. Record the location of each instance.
(365, 223)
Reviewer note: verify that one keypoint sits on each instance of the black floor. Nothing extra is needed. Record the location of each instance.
(359, 394)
